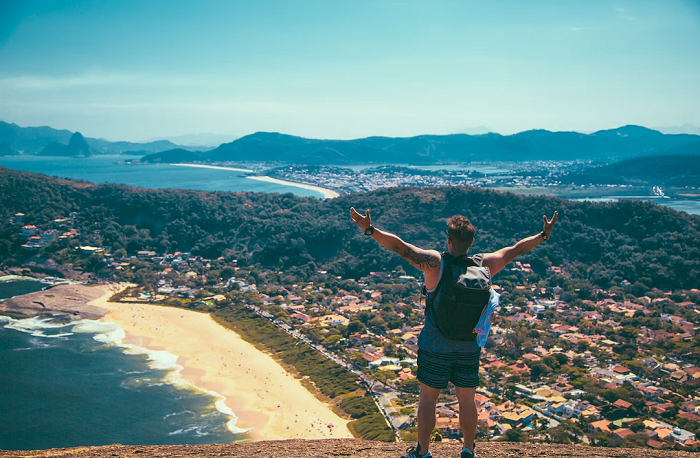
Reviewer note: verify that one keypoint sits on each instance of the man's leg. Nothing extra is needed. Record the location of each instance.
(426, 415)
(467, 415)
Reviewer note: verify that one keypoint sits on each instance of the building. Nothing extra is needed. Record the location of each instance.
(599, 426)
(29, 230)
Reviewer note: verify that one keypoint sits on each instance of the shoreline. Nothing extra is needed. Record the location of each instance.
(327, 193)
(251, 386)
(218, 167)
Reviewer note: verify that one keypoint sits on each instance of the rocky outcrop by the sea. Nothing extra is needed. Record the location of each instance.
(61, 301)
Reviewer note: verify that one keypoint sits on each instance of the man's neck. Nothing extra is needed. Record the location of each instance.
(457, 254)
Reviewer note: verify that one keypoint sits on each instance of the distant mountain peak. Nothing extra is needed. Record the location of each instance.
(478, 130)
(79, 145)
(629, 129)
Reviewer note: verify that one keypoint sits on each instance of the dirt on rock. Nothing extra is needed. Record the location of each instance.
(347, 448)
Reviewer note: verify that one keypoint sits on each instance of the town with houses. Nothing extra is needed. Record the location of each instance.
(617, 368)
(535, 176)
(349, 180)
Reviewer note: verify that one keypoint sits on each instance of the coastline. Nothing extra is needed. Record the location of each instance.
(327, 193)
(219, 167)
(250, 384)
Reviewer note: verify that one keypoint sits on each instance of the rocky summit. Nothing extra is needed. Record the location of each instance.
(346, 448)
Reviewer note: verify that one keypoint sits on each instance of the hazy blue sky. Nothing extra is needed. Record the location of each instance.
(140, 69)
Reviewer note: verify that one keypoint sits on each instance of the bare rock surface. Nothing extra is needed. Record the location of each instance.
(346, 448)
(69, 301)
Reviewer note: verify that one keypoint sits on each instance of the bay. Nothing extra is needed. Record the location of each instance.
(104, 169)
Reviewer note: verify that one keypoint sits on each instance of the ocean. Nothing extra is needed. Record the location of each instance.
(72, 384)
(104, 169)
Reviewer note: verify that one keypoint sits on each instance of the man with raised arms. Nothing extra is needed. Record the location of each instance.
(441, 359)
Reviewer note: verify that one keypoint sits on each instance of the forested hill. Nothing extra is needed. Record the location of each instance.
(668, 170)
(602, 242)
(620, 143)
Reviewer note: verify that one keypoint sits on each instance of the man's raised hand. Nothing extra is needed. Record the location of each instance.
(549, 224)
(363, 221)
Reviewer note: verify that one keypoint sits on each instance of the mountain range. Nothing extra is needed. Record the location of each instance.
(32, 140)
(602, 146)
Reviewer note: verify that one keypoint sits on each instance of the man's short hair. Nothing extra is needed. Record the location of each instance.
(461, 231)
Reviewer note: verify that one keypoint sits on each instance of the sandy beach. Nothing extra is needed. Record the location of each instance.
(327, 193)
(202, 166)
(267, 400)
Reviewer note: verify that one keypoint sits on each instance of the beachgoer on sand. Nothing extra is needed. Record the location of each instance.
(458, 289)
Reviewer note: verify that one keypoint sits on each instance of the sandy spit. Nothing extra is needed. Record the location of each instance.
(327, 193)
(219, 167)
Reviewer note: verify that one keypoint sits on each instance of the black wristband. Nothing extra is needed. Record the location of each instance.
(369, 231)
(544, 235)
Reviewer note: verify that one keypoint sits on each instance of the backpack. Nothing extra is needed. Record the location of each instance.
(460, 297)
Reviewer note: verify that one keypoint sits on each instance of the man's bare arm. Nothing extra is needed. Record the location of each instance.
(419, 258)
(427, 261)
(497, 260)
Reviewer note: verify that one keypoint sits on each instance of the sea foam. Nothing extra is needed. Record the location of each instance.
(112, 333)
(45, 280)
(36, 326)
(107, 333)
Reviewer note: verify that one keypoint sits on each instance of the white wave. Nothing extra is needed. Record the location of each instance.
(5, 319)
(184, 412)
(36, 326)
(112, 333)
(45, 280)
(37, 322)
(108, 333)
(7, 278)
(220, 404)
(198, 431)
(139, 382)
(63, 334)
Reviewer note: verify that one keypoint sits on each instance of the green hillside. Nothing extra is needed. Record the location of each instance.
(603, 243)
(174, 156)
(667, 170)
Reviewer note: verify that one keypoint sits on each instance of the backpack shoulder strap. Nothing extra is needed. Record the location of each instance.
(464, 260)
(444, 266)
